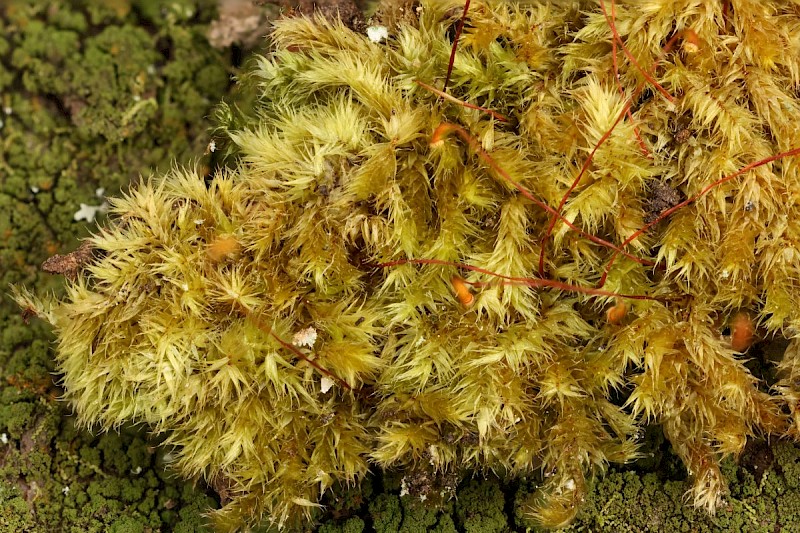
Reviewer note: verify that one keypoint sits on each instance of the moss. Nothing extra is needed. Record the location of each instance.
(643, 499)
(118, 99)
(309, 289)
(176, 13)
(77, 487)
(79, 119)
(386, 513)
(14, 513)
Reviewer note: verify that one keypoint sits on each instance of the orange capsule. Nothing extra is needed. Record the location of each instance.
(222, 247)
(691, 41)
(742, 332)
(615, 314)
(462, 291)
(442, 130)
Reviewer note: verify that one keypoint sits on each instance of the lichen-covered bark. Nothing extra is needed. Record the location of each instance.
(94, 94)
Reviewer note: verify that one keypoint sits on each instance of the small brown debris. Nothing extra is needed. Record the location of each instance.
(661, 197)
(757, 458)
(681, 128)
(346, 10)
(27, 314)
(239, 21)
(69, 264)
(223, 486)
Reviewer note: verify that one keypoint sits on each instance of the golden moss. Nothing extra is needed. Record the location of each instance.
(342, 217)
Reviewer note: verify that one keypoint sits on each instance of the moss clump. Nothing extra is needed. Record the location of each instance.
(647, 497)
(292, 320)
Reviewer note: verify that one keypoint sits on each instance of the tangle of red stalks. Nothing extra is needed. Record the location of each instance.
(617, 43)
(446, 128)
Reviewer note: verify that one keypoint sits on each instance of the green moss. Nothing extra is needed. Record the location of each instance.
(88, 119)
(177, 12)
(78, 487)
(386, 513)
(14, 512)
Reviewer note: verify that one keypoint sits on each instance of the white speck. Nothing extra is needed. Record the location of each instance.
(4, 438)
(99, 192)
(185, 287)
(305, 337)
(325, 384)
(65, 490)
(136, 97)
(88, 212)
(725, 274)
(419, 341)
(434, 453)
(377, 34)
(151, 69)
(199, 221)
(34, 189)
(7, 110)
(403, 487)
(570, 485)
(212, 146)
(423, 497)
(136, 471)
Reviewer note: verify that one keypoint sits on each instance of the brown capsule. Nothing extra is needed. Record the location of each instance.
(462, 291)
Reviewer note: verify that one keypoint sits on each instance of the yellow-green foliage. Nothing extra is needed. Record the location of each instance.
(185, 321)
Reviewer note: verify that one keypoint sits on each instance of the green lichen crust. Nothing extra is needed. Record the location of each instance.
(641, 497)
(268, 321)
(92, 95)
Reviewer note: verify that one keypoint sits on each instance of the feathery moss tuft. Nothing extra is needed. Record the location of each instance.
(293, 320)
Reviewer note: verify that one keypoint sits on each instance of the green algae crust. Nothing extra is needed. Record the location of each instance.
(92, 95)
